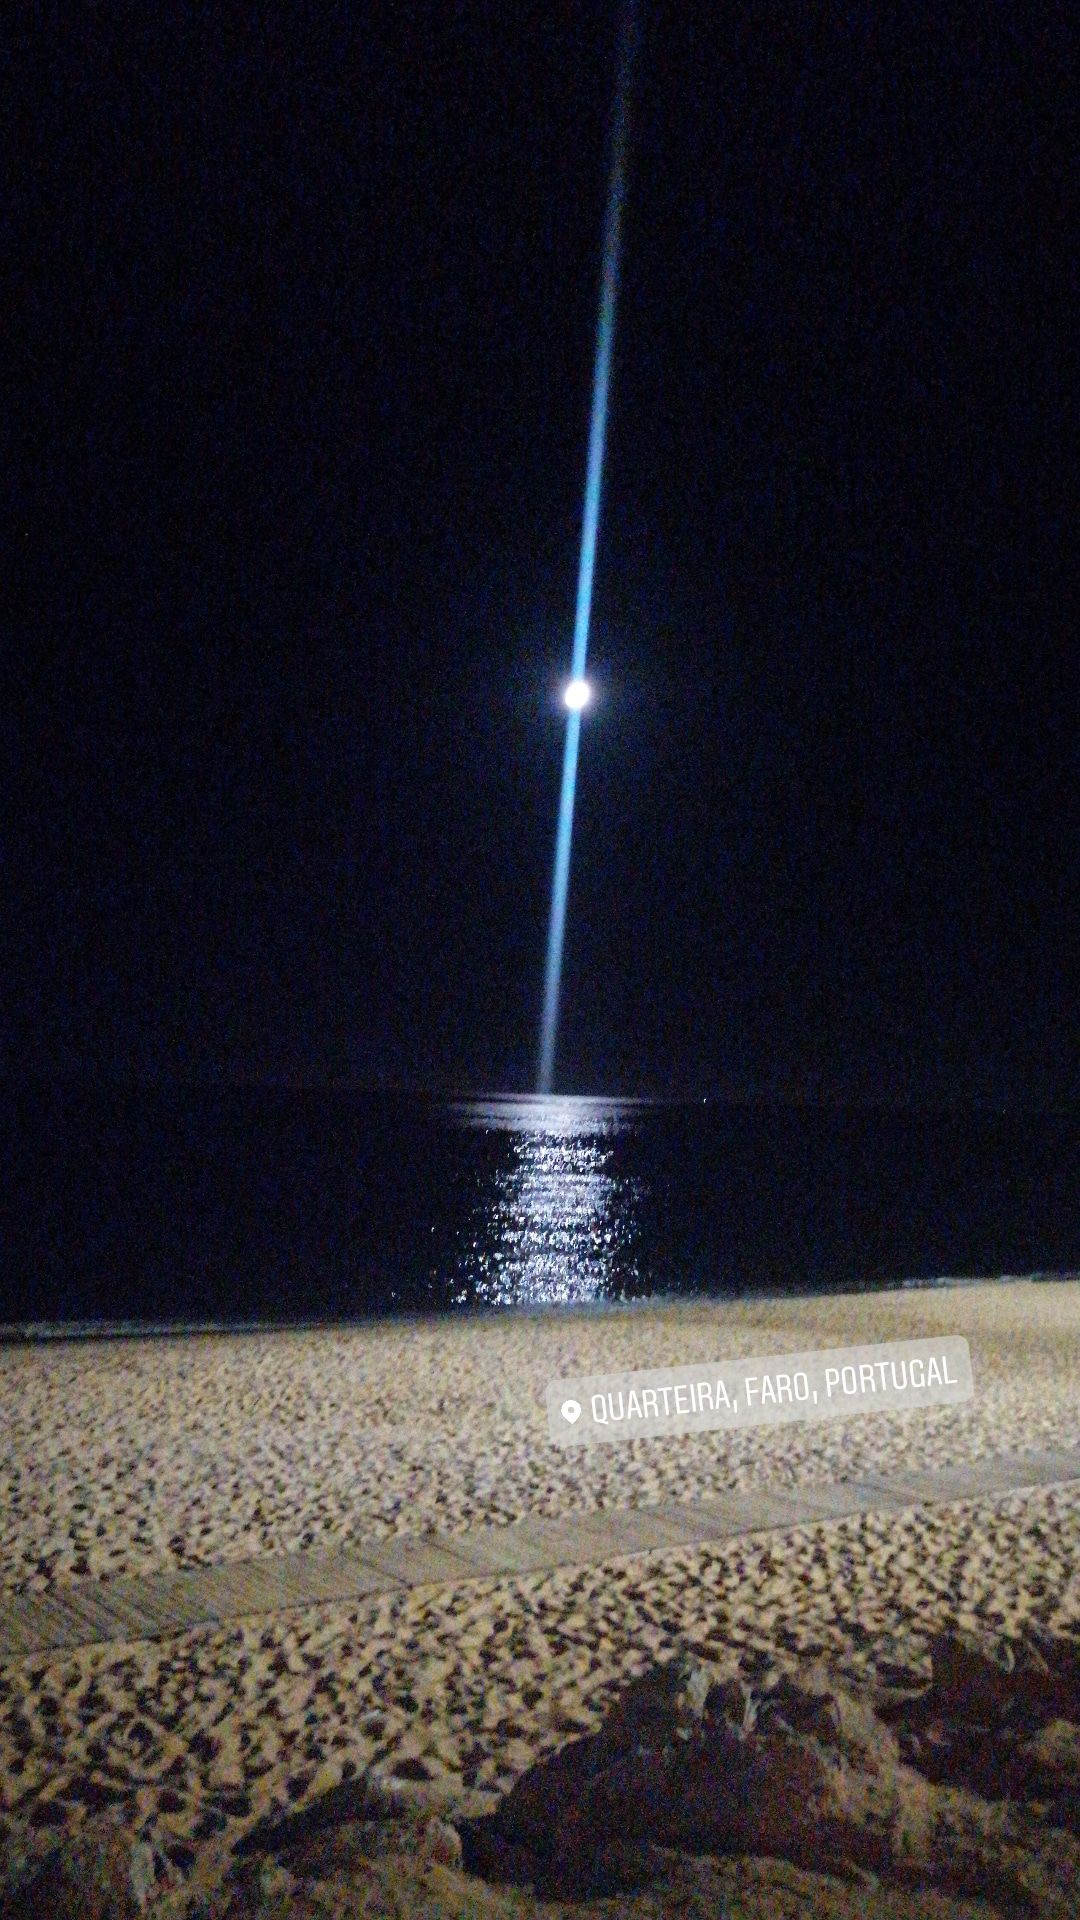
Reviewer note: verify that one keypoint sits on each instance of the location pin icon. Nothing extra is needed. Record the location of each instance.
(570, 1410)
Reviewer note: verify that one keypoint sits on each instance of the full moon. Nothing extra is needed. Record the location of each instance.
(577, 695)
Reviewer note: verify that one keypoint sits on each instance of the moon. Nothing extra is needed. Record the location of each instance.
(577, 695)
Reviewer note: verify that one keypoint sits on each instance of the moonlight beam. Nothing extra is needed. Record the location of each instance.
(577, 691)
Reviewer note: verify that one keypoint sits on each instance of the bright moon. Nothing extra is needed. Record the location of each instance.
(577, 695)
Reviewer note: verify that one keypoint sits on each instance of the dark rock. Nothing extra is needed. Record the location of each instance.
(1003, 1680)
(361, 1819)
(535, 1806)
(99, 1873)
(352, 1800)
(490, 1856)
(701, 1761)
(985, 1720)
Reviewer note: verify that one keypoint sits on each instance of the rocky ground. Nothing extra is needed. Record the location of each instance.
(956, 1791)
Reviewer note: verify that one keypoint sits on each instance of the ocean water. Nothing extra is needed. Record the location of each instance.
(186, 1205)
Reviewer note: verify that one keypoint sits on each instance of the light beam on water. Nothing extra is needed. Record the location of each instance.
(605, 332)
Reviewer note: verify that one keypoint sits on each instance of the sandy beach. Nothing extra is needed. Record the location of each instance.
(127, 1457)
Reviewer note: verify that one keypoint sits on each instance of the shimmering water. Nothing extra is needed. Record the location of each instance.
(194, 1204)
(559, 1219)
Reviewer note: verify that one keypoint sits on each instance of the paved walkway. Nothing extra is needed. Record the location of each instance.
(156, 1606)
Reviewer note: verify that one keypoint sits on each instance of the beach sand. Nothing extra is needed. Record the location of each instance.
(137, 1455)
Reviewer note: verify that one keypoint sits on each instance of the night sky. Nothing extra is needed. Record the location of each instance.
(305, 304)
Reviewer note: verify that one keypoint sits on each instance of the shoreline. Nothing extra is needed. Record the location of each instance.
(31, 1332)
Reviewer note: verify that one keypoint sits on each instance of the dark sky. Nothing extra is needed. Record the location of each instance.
(305, 303)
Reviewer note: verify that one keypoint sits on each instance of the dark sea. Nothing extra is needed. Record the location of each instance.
(181, 1205)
